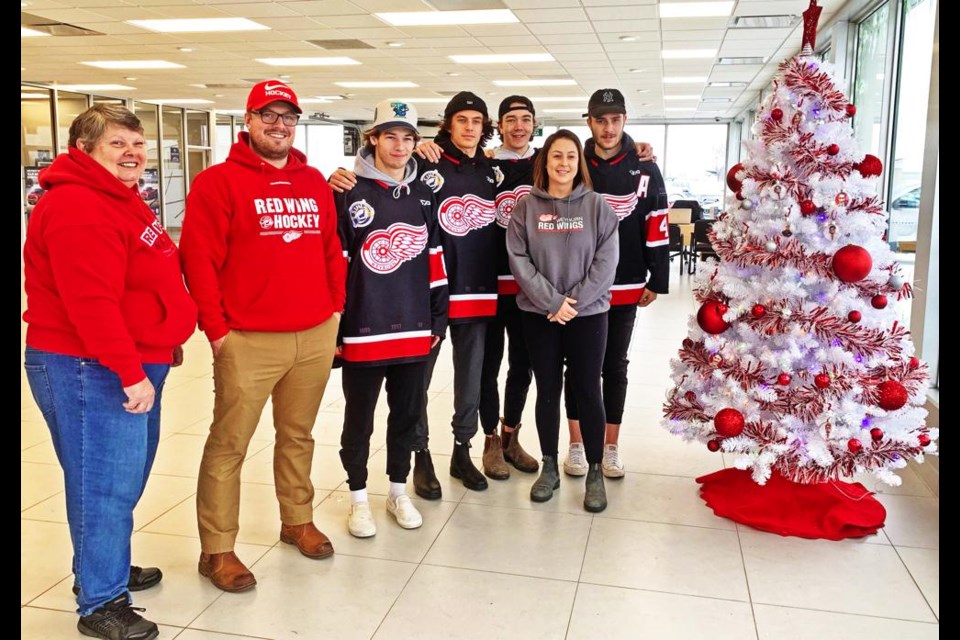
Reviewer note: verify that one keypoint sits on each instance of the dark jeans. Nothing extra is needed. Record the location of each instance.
(620, 322)
(580, 344)
(106, 455)
(361, 389)
(519, 373)
(467, 341)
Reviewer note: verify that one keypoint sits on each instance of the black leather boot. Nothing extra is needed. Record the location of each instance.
(425, 482)
(462, 467)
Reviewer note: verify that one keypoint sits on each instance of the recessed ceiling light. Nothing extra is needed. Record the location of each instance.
(185, 49)
(178, 100)
(34, 96)
(218, 95)
(199, 25)
(308, 62)
(130, 78)
(502, 58)
(743, 60)
(133, 64)
(695, 9)
(371, 84)
(435, 18)
(628, 38)
(683, 97)
(394, 44)
(727, 84)
(716, 100)
(335, 97)
(548, 82)
(643, 90)
(31, 33)
(637, 70)
(198, 86)
(684, 80)
(284, 76)
(687, 54)
(452, 74)
(764, 22)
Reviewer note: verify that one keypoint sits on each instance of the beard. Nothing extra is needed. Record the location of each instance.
(267, 151)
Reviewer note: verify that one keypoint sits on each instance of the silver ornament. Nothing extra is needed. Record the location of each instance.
(896, 281)
(747, 204)
(771, 246)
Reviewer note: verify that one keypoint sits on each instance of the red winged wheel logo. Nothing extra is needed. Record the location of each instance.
(385, 250)
(461, 215)
(507, 200)
(621, 205)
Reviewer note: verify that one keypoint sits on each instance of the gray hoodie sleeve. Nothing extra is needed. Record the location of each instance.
(534, 285)
(602, 272)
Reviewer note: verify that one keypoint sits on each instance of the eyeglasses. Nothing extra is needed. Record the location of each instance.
(270, 117)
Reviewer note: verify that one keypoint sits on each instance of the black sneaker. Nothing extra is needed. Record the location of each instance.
(117, 620)
(140, 578)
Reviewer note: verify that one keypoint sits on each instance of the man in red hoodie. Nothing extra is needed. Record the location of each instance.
(264, 263)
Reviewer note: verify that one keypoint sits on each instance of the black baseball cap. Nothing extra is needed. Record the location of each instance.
(465, 101)
(512, 103)
(604, 101)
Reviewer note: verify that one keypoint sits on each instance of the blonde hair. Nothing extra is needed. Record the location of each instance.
(90, 125)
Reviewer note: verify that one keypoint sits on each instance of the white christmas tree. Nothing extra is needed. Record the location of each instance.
(795, 362)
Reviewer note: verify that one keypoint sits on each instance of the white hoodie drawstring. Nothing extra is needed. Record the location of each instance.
(399, 190)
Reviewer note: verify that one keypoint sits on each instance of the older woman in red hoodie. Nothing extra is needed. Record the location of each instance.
(107, 311)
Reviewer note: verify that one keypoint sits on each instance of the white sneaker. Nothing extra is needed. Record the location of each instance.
(612, 466)
(576, 462)
(360, 522)
(403, 510)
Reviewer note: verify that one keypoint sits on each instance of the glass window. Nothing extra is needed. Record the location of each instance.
(323, 145)
(150, 182)
(36, 140)
(69, 106)
(224, 139)
(198, 142)
(695, 161)
(871, 71)
(171, 155)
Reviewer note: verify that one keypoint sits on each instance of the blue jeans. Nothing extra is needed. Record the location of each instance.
(106, 455)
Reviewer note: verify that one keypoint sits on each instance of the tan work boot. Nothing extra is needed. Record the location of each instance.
(226, 571)
(514, 453)
(493, 465)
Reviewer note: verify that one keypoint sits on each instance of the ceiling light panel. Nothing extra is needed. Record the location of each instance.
(308, 62)
(502, 58)
(133, 64)
(445, 18)
(695, 9)
(199, 25)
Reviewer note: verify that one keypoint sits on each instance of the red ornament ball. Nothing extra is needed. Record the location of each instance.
(710, 317)
(784, 379)
(869, 166)
(733, 181)
(728, 422)
(879, 301)
(924, 440)
(833, 149)
(854, 445)
(854, 316)
(891, 395)
(687, 343)
(713, 445)
(852, 263)
(777, 114)
(807, 207)
(851, 110)
(690, 396)
(877, 434)
(914, 362)
(758, 311)
(822, 380)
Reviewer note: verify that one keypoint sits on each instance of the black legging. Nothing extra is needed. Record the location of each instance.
(519, 374)
(580, 343)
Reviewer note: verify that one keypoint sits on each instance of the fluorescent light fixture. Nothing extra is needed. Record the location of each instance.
(716, 100)
(315, 101)
(743, 60)
(95, 87)
(547, 82)
(440, 18)
(687, 54)
(691, 96)
(695, 9)
(34, 96)
(185, 49)
(395, 44)
(133, 64)
(764, 22)
(426, 100)
(679, 108)
(628, 38)
(231, 112)
(199, 25)
(727, 85)
(31, 33)
(335, 97)
(502, 58)
(308, 62)
(559, 99)
(377, 84)
(178, 101)
(637, 70)
(580, 110)
(684, 80)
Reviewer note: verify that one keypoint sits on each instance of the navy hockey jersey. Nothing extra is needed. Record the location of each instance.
(396, 281)
(514, 180)
(637, 193)
(465, 191)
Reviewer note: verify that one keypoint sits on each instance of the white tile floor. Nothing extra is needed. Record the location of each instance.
(656, 564)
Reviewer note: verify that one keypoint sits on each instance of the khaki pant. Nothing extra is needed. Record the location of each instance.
(293, 368)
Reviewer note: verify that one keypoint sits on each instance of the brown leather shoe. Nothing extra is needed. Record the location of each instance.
(493, 464)
(514, 453)
(308, 539)
(226, 571)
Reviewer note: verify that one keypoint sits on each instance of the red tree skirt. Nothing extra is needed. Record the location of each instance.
(832, 510)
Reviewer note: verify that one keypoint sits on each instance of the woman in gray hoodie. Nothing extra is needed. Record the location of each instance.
(563, 250)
